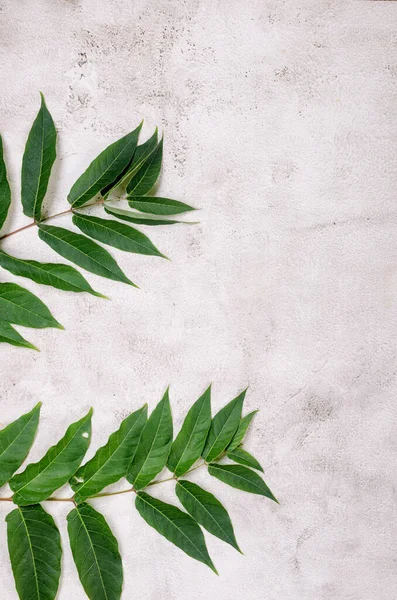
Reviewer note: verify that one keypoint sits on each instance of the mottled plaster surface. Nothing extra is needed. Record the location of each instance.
(280, 121)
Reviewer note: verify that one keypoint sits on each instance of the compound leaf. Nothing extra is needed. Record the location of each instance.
(154, 446)
(39, 480)
(175, 525)
(38, 158)
(207, 511)
(83, 252)
(241, 478)
(8, 335)
(115, 234)
(34, 546)
(5, 192)
(158, 206)
(96, 553)
(15, 442)
(104, 169)
(21, 307)
(223, 428)
(241, 430)
(62, 277)
(146, 176)
(241, 456)
(111, 462)
(189, 442)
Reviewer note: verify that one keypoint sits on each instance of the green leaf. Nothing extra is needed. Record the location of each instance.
(175, 525)
(207, 511)
(96, 553)
(189, 442)
(223, 428)
(83, 252)
(141, 153)
(34, 545)
(39, 480)
(244, 458)
(146, 176)
(104, 169)
(8, 335)
(138, 218)
(5, 192)
(15, 442)
(241, 478)
(38, 158)
(111, 462)
(154, 446)
(115, 234)
(241, 430)
(158, 206)
(21, 307)
(62, 277)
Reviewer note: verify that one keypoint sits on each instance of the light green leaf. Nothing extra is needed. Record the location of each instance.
(223, 428)
(38, 158)
(175, 525)
(62, 277)
(15, 442)
(146, 176)
(241, 478)
(104, 169)
(111, 462)
(83, 252)
(96, 553)
(115, 234)
(241, 430)
(158, 206)
(5, 192)
(138, 218)
(34, 545)
(244, 458)
(154, 446)
(8, 335)
(21, 307)
(189, 442)
(39, 480)
(207, 511)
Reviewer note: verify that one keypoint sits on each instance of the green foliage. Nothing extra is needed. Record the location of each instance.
(138, 450)
(124, 170)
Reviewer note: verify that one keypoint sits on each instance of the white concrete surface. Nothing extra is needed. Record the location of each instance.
(280, 122)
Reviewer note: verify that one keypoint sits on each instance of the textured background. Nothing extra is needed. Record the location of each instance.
(280, 122)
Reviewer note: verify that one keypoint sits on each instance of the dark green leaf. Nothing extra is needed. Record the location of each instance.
(223, 428)
(158, 206)
(15, 442)
(241, 430)
(189, 442)
(145, 149)
(21, 307)
(34, 546)
(96, 553)
(138, 218)
(115, 234)
(244, 458)
(111, 462)
(62, 277)
(207, 511)
(39, 480)
(8, 335)
(241, 478)
(5, 192)
(154, 446)
(146, 176)
(175, 525)
(104, 169)
(83, 252)
(38, 158)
